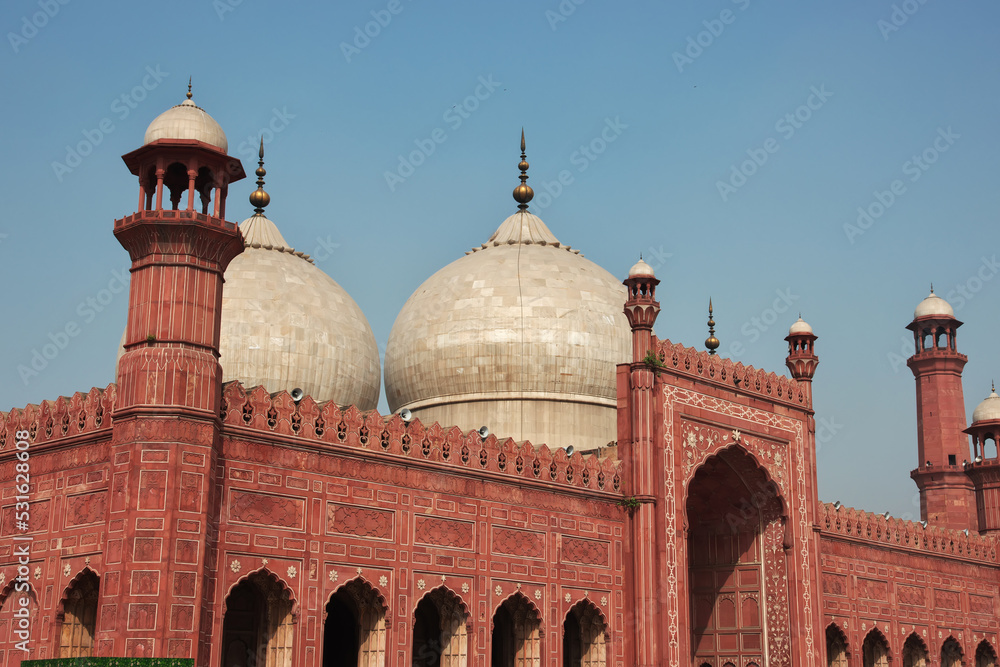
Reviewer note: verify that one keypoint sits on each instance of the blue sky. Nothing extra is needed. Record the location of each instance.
(729, 142)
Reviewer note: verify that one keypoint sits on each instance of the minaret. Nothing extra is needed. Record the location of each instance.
(985, 467)
(802, 360)
(158, 584)
(946, 492)
(643, 474)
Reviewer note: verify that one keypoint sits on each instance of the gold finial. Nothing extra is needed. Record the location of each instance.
(258, 197)
(523, 193)
(189, 88)
(711, 343)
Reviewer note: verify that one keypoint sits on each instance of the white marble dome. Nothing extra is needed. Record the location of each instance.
(988, 410)
(933, 305)
(187, 121)
(286, 325)
(521, 335)
(640, 268)
(799, 326)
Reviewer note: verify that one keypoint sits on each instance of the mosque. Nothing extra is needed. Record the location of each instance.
(234, 499)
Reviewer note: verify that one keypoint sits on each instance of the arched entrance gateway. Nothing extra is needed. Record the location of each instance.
(736, 563)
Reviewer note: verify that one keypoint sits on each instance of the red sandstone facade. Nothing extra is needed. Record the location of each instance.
(170, 515)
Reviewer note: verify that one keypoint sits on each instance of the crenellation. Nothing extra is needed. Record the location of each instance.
(899, 533)
(258, 410)
(734, 375)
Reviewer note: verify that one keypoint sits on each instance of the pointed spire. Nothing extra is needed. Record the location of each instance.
(932, 288)
(523, 193)
(189, 88)
(711, 343)
(258, 197)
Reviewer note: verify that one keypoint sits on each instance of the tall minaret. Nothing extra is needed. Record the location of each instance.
(802, 360)
(946, 492)
(161, 529)
(642, 472)
(983, 470)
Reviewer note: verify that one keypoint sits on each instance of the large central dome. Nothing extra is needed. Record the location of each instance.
(521, 335)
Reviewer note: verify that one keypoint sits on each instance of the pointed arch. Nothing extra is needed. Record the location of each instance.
(915, 653)
(354, 626)
(258, 622)
(986, 656)
(736, 531)
(585, 636)
(951, 653)
(516, 637)
(875, 650)
(76, 615)
(441, 629)
(273, 582)
(837, 654)
(749, 466)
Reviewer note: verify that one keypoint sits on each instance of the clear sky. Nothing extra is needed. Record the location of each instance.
(731, 142)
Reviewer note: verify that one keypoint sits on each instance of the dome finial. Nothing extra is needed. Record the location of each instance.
(189, 88)
(523, 193)
(932, 288)
(258, 197)
(711, 343)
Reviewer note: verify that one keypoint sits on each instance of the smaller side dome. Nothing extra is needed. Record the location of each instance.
(933, 305)
(187, 121)
(640, 268)
(988, 410)
(800, 326)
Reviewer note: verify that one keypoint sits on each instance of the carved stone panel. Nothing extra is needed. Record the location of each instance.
(86, 508)
(443, 532)
(587, 552)
(518, 542)
(360, 521)
(266, 510)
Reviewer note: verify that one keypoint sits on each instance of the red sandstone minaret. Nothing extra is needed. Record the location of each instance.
(802, 360)
(946, 492)
(985, 467)
(642, 473)
(160, 536)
